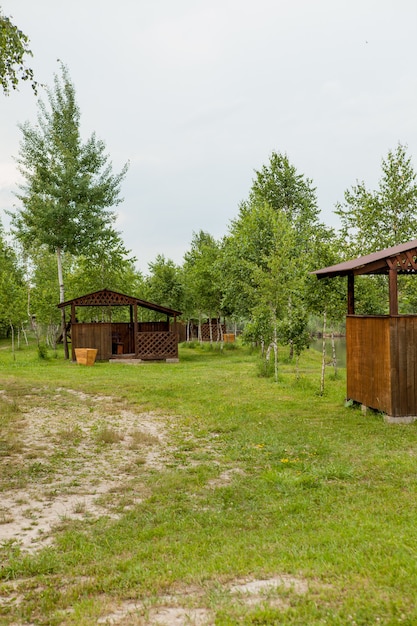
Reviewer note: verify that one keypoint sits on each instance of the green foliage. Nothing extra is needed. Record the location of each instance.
(13, 290)
(69, 186)
(14, 49)
(267, 256)
(285, 190)
(374, 220)
(164, 284)
(203, 288)
(42, 351)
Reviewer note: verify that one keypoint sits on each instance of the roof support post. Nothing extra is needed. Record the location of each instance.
(393, 291)
(135, 326)
(351, 294)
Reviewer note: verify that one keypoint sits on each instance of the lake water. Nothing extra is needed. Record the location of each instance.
(340, 344)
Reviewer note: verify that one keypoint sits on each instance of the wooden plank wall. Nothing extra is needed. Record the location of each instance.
(93, 335)
(404, 365)
(381, 361)
(368, 361)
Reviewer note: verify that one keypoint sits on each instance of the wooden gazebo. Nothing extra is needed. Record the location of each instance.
(134, 339)
(381, 350)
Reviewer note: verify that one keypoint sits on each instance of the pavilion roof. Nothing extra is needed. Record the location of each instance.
(106, 297)
(402, 257)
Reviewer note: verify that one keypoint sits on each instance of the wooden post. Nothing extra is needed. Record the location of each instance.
(73, 321)
(393, 292)
(135, 326)
(351, 294)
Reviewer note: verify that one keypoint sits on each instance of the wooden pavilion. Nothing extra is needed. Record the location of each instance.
(381, 350)
(134, 339)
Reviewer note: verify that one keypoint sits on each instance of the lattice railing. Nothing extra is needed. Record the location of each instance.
(156, 345)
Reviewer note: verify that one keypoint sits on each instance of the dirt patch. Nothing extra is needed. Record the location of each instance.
(75, 460)
(81, 457)
(187, 608)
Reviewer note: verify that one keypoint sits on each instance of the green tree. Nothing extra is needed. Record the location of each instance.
(280, 214)
(203, 288)
(105, 267)
(374, 220)
(274, 284)
(13, 291)
(286, 191)
(164, 284)
(43, 281)
(14, 49)
(70, 190)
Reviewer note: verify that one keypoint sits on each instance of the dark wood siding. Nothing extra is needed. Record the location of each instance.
(381, 360)
(403, 365)
(368, 361)
(93, 335)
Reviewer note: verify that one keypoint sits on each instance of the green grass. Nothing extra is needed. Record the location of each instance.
(261, 479)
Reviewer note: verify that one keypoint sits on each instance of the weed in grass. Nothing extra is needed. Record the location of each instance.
(71, 434)
(79, 507)
(109, 435)
(142, 438)
(9, 409)
(6, 516)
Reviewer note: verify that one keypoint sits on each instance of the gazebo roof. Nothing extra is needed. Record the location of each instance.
(402, 258)
(106, 297)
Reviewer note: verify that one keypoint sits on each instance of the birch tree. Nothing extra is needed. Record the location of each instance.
(70, 191)
(376, 219)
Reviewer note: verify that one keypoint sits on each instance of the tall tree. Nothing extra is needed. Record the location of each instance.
(374, 220)
(70, 189)
(164, 284)
(13, 292)
(14, 48)
(276, 228)
(203, 289)
(280, 185)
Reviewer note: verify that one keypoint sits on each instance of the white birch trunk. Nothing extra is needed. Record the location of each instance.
(211, 331)
(62, 299)
(275, 351)
(13, 350)
(200, 334)
(323, 354)
(334, 358)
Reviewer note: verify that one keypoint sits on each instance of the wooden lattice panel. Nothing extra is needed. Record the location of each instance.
(215, 331)
(156, 345)
(104, 298)
(404, 262)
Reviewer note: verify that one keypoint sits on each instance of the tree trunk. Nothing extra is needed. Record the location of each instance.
(323, 357)
(200, 334)
(13, 348)
(275, 351)
(62, 299)
(334, 358)
(25, 336)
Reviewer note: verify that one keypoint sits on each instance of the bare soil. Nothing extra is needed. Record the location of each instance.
(74, 456)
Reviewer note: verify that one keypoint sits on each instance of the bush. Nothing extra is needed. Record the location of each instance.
(42, 351)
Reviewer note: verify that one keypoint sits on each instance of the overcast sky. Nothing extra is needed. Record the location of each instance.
(198, 94)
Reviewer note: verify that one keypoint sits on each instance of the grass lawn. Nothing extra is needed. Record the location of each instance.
(200, 493)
